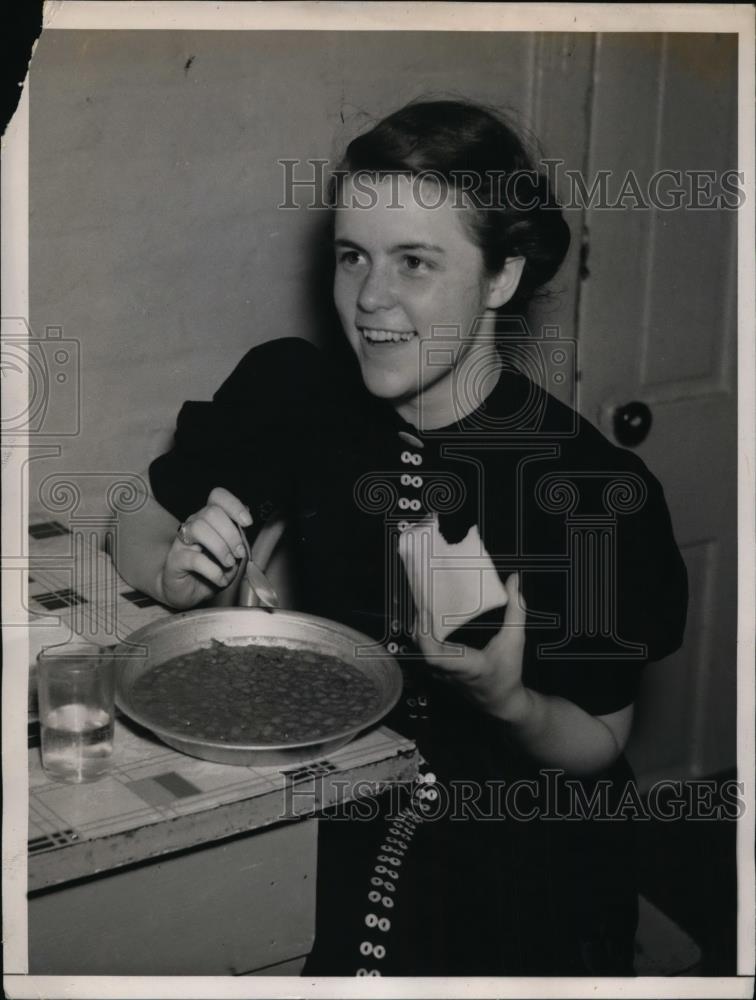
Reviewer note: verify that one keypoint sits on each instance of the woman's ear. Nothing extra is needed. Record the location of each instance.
(502, 286)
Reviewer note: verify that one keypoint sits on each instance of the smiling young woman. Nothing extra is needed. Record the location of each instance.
(523, 655)
(410, 278)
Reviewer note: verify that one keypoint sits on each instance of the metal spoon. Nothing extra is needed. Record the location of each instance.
(255, 588)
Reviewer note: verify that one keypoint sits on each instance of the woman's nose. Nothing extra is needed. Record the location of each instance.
(376, 291)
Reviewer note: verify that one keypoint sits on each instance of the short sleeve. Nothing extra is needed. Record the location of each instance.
(249, 437)
(598, 687)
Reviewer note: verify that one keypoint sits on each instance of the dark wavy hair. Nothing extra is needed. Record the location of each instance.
(477, 152)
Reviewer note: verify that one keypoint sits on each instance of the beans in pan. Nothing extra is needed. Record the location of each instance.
(254, 694)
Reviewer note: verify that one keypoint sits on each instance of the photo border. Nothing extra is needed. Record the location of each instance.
(455, 17)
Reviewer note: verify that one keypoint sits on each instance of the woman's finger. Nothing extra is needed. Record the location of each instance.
(429, 646)
(512, 633)
(198, 529)
(516, 611)
(229, 530)
(231, 505)
(446, 659)
(190, 561)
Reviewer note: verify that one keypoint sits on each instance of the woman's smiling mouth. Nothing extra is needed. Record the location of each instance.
(374, 335)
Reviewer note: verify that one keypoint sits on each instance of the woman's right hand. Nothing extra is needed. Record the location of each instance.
(208, 560)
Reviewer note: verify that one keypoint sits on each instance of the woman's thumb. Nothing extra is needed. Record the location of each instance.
(516, 608)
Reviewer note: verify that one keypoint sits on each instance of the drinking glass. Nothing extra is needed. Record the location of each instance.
(76, 686)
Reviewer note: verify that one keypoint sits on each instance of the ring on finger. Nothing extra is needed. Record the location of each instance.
(182, 534)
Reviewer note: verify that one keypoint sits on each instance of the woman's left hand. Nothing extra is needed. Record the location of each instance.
(491, 677)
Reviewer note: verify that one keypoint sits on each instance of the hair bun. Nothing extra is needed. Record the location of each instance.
(514, 211)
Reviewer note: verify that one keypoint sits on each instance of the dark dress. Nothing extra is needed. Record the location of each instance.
(458, 876)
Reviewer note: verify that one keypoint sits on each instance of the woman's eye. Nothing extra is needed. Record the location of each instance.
(349, 257)
(413, 263)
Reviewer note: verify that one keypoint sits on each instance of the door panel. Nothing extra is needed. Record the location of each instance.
(561, 64)
(657, 324)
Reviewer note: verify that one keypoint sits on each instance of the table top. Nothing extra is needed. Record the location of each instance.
(156, 800)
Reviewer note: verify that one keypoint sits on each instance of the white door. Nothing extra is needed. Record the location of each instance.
(657, 326)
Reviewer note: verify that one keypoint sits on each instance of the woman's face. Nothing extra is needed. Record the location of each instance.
(409, 287)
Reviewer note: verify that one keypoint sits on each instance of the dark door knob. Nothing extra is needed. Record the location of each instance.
(632, 422)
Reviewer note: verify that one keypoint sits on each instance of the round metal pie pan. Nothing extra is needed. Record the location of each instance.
(184, 633)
